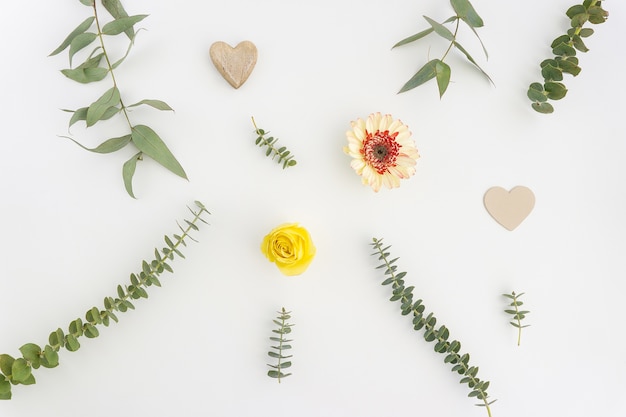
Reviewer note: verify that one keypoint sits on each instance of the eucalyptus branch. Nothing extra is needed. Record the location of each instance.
(110, 104)
(284, 156)
(565, 61)
(518, 315)
(282, 344)
(15, 371)
(460, 362)
(437, 68)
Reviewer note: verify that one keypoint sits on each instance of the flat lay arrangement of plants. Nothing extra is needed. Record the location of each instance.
(380, 149)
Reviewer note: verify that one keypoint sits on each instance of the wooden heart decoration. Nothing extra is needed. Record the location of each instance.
(235, 64)
(509, 208)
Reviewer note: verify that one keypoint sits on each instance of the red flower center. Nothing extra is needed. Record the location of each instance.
(380, 150)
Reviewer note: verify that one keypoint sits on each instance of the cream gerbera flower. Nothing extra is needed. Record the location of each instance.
(383, 151)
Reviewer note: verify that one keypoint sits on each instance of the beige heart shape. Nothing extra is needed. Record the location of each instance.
(509, 208)
(235, 64)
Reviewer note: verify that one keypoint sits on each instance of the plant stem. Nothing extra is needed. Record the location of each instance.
(456, 30)
(109, 65)
(280, 344)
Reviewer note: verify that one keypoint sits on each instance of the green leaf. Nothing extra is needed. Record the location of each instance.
(426, 73)
(544, 108)
(5, 388)
(467, 13)
(122, 24)
(71, 343)
(556, 91)
(440, 29)
(157, 104)
(99, 107)
(6, 364)
(128, 171)
(115, 9)
(87, 2)
(50, 357)
(574, 10)
(85, 24)
(579, 44)
(85, 75)
(20, 371)
(415, 37)
(564, 50)
(80, 42)
(470, 59)
(31, 352)
(108, 146)
(443, 76)
(151, 144)
(552, 73)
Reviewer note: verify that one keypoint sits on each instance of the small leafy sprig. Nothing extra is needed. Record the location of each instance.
(282, 344)
(284, 156)
(15, 371)
(518, 315)
(97, 65)
(565, 61)
(460, 362)
(437, 68)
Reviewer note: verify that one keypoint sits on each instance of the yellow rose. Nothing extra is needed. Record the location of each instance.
(290, 247)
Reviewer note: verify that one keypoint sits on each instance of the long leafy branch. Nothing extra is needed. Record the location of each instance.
(427, 323)
(19, 371)
(97, 65)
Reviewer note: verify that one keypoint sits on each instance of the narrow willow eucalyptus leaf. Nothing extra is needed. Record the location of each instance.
(85, 75)
(98, 108)
(151, 144)
(157, 104)
(115, 9)
(80, 42)
(426, 73)
(440, 29)
(122, 24)
(85, 24)
(470, 59)
(415, 37)
(443, 76)
(128, 171)
(467, 13)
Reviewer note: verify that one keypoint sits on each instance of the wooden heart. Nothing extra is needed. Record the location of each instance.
(235, 64)
(509, 208)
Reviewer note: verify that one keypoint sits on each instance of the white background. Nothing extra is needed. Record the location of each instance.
(197, 346)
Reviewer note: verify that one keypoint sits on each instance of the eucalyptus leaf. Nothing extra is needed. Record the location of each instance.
(122, 24)
(98, 108)
(87, 2)
(151, 144)
(116, 10)
(415, 37)
(467, 13)
(85, 75)
(443, 76)
(424, 74)
(157, 104)
(470, 59)
(20, 370)
(440, 29)
(80, 42)
(128, 171)
(85, 24)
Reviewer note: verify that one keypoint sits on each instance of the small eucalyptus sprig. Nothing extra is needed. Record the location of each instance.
(460, 362)
(97, 65)
(437, 68)
(282, 344)
(16, 371)
(565, 61)
(518, 315)
(284, 156)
